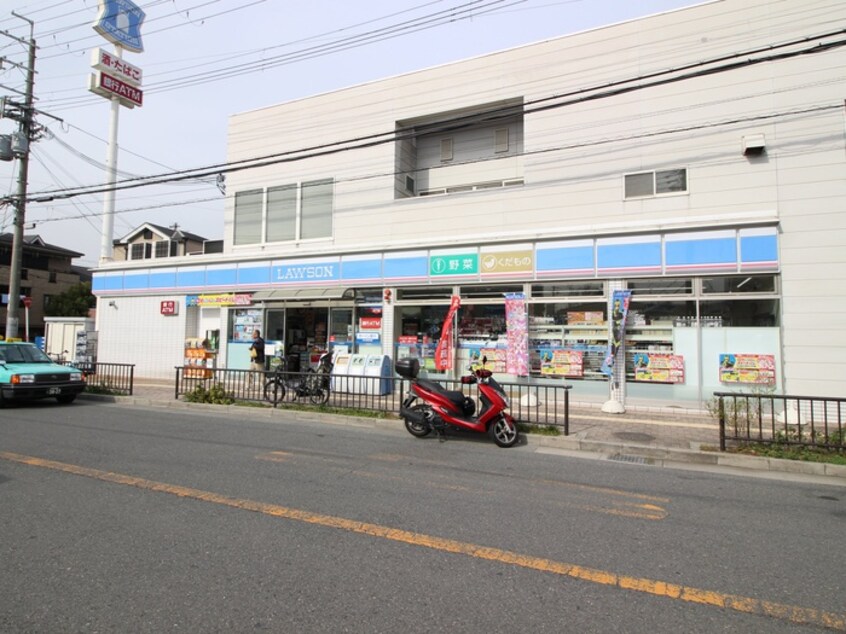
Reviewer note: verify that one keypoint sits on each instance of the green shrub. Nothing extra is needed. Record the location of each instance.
(215, 395)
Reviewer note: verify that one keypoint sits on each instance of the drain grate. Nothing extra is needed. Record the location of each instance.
(621, 457)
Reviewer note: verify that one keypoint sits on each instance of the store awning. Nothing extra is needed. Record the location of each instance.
(302, 294)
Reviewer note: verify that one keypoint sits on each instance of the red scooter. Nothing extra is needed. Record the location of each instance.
(441, 408)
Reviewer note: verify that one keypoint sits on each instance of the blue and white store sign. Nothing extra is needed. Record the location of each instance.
(703, 252)
(119, 21)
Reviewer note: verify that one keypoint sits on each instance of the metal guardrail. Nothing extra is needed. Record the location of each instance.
(530, 404)
(116, 378)
(798, 421)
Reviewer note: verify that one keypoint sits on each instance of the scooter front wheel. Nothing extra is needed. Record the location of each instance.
(504, 432)
(418, 429)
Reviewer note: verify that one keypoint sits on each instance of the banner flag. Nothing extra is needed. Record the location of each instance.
(443, 352)
(619, 311)
(517, 332)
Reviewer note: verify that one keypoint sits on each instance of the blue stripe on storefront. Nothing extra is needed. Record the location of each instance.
(565, 259)
(254, 275)
(163, 280)
(758, 249)
(136, 281)
(398, 268)
(361, 270)
(113, 283)
(704, 252)
(191, 278)
(700, 253)
(619, 257)
(222, 277)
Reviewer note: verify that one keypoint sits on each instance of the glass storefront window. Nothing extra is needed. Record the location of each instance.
(489, 292)
(418, 333)
(424, 293)
(664, 286)
(741, 313)
(340, 328)
(739, 284)
(368, 330)
(275, 325)
(568, 340)
(569, 289)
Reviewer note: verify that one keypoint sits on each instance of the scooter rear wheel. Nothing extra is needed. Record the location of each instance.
(418, 429)
(504, 432)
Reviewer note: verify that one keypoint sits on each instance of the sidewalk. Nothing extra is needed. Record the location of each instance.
(657, 436)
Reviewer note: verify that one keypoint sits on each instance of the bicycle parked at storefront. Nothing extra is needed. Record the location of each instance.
(312, 384)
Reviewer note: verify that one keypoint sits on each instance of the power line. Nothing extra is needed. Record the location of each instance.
(725, 63)
(468, 10)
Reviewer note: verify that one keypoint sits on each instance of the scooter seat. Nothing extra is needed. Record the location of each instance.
(433, 386)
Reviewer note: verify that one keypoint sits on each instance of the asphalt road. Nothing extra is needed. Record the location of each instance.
(118, 519)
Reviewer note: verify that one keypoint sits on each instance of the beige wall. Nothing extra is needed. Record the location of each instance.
(576, 156)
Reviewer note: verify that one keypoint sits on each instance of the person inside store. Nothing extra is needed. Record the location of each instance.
(257, 352)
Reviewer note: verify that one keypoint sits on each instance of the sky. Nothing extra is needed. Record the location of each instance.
(205, 60)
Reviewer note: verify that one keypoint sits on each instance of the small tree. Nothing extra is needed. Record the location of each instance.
(74, 302)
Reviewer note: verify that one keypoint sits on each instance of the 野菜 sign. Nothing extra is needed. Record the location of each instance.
(750, 369)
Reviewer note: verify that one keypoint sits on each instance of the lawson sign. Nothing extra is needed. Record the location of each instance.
(306, 272)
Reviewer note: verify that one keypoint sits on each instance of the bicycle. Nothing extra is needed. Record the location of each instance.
(313, 384)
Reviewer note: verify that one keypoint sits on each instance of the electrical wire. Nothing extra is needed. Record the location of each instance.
(705, 68)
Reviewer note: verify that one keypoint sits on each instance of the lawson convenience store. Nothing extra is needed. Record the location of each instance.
(703, 309)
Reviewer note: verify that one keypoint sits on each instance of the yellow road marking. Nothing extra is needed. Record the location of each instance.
(275, 456)
(748, 605)
(634, 510)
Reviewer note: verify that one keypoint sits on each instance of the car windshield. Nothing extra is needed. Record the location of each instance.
(22, 353)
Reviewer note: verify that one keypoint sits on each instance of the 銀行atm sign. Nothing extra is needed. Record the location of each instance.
(169, 307)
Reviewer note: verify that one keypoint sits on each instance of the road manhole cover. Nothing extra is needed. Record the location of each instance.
(634, 436)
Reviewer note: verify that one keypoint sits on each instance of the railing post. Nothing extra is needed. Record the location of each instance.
(131, 378)
(176, 385)
(566, 410)
(722, 415)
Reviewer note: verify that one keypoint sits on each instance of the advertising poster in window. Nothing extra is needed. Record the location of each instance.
(653, 367)
(747, 369)
(517, 333)
(569, 363)
(244, 322)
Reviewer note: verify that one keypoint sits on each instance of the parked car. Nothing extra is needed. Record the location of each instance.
(26, 373)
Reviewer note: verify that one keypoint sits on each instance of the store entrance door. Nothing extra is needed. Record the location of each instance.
(305, 336)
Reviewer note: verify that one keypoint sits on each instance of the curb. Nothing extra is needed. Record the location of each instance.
(563, 445)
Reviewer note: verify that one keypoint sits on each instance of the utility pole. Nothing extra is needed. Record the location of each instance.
(25, 126)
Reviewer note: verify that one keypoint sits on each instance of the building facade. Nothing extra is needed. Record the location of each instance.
(47, 270)
(688, 166)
